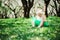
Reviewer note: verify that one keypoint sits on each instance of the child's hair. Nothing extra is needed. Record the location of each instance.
(40, 11)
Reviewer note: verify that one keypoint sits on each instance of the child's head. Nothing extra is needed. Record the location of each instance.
(39, 12)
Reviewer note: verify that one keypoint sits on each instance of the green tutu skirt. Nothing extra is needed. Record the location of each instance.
(37, 22)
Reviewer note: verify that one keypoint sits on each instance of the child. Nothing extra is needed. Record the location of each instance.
(40, 19)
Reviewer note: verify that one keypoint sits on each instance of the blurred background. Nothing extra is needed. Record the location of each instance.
(15, 20)
(27, 8)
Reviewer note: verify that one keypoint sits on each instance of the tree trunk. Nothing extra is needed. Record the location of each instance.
(46, 11)
(57, 10)
(58, 13)
(27, 6)
(5, 13)
(46, 5)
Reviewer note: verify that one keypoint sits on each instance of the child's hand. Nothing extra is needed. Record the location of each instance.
(39, 26)
(33, 25)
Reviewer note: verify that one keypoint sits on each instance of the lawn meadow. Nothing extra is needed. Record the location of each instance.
(21, 29)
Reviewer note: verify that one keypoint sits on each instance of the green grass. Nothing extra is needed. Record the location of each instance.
(21, 29)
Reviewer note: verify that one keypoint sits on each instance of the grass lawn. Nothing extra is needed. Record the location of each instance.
(21, 29)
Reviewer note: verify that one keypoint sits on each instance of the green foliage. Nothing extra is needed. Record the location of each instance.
(0, 3)
(21, 29)
(4, 10)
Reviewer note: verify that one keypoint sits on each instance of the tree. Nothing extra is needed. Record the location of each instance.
(58, 1)
(27, 5)
(46, 5)
(56, 7)
(11, 8)
(3, 11)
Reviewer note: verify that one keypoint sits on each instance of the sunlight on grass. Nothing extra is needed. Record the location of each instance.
(21, 28)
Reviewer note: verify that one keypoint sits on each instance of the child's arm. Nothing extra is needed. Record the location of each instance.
(41, 23)
(33, 23)
(43, 19)
(33, 19)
